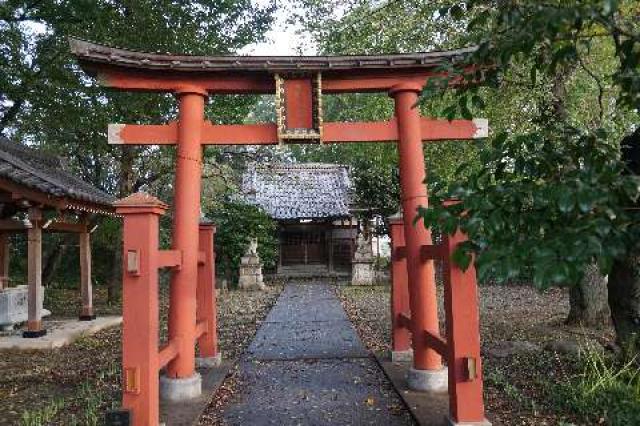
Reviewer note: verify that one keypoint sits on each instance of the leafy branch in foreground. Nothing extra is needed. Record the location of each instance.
(542, 207)
(551, 201)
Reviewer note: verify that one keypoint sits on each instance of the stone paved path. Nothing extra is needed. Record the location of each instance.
(307, 366)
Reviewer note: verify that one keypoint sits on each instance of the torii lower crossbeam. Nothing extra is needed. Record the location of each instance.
(266, 133)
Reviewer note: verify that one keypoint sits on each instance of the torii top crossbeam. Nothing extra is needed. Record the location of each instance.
(126, 69)
(295, 80)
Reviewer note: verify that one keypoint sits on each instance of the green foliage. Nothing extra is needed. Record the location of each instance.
(47, 101)
(236, 223)
(606, 390)
(44, 415)
(549, 36)
(542, 206)
(554, 196)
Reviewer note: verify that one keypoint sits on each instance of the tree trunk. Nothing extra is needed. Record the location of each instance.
(54, 257)
(588, 300)
(125, 187)
(624, 301)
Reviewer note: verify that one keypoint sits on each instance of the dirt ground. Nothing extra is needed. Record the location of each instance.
(526, 346)
(77, 384)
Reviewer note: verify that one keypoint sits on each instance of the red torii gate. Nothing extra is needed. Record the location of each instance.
(298, 83)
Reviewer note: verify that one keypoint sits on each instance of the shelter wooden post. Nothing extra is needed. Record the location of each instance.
(400, 308)
(422, 288)
(5, 258)
(140, 357)
(186, 218)
(206, 293)
(86, 286)
(466, 405)
(35, 294)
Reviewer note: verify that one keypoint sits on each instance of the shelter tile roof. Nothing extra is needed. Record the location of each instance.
(96, 53)
(299, 191)
(46, 173)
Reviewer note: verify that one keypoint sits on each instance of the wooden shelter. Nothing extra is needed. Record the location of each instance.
(38, 195)
(312, 204)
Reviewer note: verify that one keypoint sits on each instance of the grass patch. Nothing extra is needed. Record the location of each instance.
(88, 401)
(607, 390)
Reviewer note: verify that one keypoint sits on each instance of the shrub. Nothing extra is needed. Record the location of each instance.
(236, 223)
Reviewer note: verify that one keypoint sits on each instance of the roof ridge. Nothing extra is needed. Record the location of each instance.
(298, 190)
(92, 53)
(270, 165)
(80, 46)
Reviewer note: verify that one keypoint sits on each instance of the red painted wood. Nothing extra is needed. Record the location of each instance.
(140, 359)
(239, 83)
(433, 252)
(298, 101)
(167, 353)
(132, 80)
(206, 293)
(422, 288)
(266, 133)
(169, 258)
(437, 343)
(400, 335)
(186, 218)
(463, 334)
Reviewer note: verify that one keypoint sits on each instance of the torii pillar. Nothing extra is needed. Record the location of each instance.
(427, 372)
(181, 380)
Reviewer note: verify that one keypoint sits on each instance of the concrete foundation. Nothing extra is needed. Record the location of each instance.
(450, 422)
(59, 333)
(180, 389)
(428, 380)
(14, 306)
(209, 362)
(402, 356)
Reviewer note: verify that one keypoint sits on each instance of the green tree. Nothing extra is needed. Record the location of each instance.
(555, 198)
(46, 100)
(578, 94)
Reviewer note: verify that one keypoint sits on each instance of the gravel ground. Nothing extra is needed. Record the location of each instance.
(517, 323)
(40, 388)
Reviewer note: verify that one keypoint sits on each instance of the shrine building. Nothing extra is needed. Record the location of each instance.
(311, 203)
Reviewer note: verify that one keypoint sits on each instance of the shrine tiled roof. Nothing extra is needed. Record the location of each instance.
(95, 53)
(299, 191)
(47, 174)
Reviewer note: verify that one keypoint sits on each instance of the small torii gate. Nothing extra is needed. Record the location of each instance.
(298, 84)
